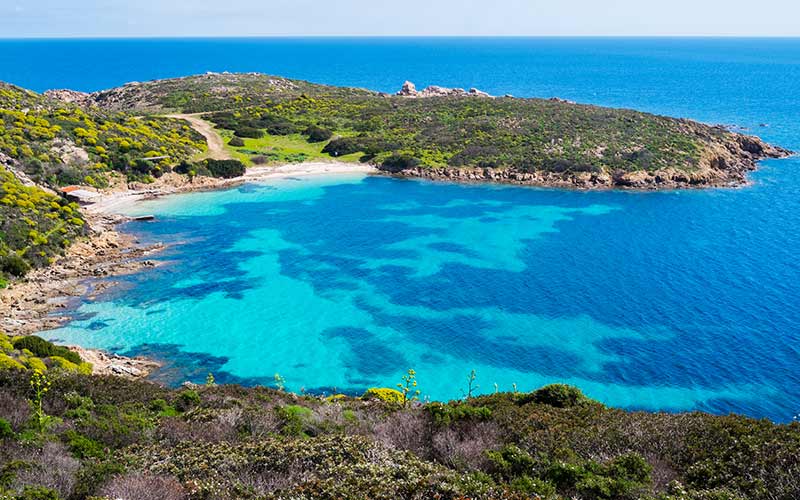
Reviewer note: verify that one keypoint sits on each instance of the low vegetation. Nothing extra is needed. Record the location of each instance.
(58, 144)
(71, 436)
(31, 353)
(549, 136)
(35, 226)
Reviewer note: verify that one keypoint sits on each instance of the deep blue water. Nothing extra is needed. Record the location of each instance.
(675, 300)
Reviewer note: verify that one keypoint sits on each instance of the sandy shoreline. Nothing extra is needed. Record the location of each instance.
(115, 201)
(32, 305)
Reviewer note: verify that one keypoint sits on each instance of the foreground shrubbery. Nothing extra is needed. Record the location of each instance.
(33, 353)
(112, 438)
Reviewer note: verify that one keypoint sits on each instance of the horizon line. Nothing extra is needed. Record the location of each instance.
(344, 36)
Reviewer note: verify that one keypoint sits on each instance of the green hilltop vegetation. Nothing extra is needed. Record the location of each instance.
(67, 435)
(551, 139)
(56, 144)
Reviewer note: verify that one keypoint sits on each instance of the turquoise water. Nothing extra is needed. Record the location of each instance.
(673, 300)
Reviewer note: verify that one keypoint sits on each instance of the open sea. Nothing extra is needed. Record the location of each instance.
(660, 301)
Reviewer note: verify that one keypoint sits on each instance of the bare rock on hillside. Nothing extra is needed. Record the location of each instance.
(70, 96)
(410, 90)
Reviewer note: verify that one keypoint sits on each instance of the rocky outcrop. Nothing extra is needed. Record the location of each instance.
(410, 90)
(725, 164)
(147, 96)
(28, 306)
(70, 96)
(104, 363)
(11, 165)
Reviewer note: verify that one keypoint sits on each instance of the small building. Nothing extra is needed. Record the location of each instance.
(80, 195)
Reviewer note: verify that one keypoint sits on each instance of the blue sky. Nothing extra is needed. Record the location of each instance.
(134, 18)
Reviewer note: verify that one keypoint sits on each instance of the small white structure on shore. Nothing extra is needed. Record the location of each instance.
(82, 196)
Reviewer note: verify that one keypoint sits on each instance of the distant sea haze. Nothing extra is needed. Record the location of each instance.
(671, 300)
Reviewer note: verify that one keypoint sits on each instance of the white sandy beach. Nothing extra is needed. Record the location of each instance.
(116, 202)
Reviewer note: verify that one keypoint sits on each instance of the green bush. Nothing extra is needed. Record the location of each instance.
(316, 133)
(249, 132)
(294, 419)
(44, 349)
(446, 414)
(399, 162)
(36, 364)
(187, 399)
(236, 142)
(183, 167)
(344, 146)
(556, 395)
(36, 493)
(82, 446)
(5, 429)
(14, 265)
(9, 363)
(226, 169)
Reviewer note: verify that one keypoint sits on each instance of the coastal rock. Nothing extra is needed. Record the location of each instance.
(410, 90)
(104, 363)
(726, 165)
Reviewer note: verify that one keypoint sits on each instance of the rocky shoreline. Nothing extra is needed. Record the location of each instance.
(729, 166)
(33, 304)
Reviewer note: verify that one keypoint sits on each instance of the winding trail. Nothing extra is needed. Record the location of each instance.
(216, 146)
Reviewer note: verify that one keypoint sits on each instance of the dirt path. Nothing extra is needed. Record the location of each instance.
(216, 147)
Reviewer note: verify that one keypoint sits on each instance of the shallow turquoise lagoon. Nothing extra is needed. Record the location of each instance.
(342, 283)
(680, 300)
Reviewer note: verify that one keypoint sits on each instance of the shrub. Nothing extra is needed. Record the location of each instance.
(399, 162)
(556, 395)
(183, 167)
(36, 493)
(316, 133)
(294, 419)
(249, 132)
(226, 169)
(64, 364)
(446, 414)
(511, 461)
(43, 349)
(36, 364)
(282, 127)
(187, 399)
(5, 429)
(9, 363)
(82, 446)
(384, 394)
(236, 142)
(14, 265)
(344, 146)
(94, 474)
(143, 486)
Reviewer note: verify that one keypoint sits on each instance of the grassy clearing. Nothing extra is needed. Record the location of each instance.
(281, 149)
